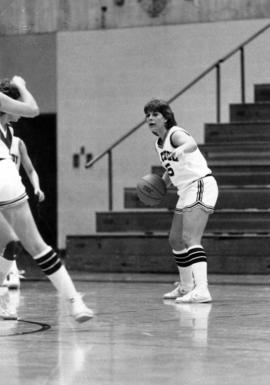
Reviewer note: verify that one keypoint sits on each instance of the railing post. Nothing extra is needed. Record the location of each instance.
(110, 180)
(242, 73)
(218, 92)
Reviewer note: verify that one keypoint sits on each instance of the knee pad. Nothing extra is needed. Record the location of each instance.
(12, 249)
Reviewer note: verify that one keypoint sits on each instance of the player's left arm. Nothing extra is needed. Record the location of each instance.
(166, 179)
(30, 171)
(183, 143)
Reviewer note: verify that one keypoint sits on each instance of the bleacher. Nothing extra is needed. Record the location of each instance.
(237, 236)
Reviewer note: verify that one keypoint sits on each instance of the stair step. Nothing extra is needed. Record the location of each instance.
(262, 92)
(250, 112)
(141, 253)
(237, 132)
(148, 221)
(220, 167)
(233, 155)
(235, 146)
(235, 163)
(241, 197)
(232, 152)
(230, 175)
(239, 156)
(241, 178)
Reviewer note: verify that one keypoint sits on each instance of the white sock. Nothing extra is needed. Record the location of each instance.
(51, 265)
(185, 273)
(199, 265)
(200, 274)
(63, 283)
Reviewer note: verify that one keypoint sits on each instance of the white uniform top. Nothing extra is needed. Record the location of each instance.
(15, 151)
(189, 168)
(5, 141)
(12, 190)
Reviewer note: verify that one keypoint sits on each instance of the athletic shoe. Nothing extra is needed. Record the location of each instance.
(7, 312)
(79, 311)
(12, 280)
(197, 295)
(179, 291)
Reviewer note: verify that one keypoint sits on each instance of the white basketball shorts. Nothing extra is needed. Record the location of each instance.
(12, 190)
(201, 193)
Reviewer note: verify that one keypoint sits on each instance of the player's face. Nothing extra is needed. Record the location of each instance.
(13, 118)
(156, 122)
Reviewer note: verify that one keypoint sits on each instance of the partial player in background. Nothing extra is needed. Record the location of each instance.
(187, 170)
(17, 101)
(20, 156)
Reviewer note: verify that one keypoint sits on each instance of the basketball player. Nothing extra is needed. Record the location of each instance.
(17, 101)
(20, 156)
(187, 170)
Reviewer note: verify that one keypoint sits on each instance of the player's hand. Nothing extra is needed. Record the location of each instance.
(176, 154)
(40, 195)
(18, 81)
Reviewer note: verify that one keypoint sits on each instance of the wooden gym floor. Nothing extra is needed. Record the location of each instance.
(136, 337)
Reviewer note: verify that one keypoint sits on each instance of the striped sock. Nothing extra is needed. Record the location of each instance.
(48, 261)
(51, 265)
(184, 268)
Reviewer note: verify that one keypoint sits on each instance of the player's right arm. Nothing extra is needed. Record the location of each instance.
(25, 106)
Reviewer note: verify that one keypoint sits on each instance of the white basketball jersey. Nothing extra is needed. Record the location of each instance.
(190, 167)
(15, 151)
(6, 136)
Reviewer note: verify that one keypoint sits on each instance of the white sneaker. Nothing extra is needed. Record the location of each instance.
(179, 291)
(12, 280)
(79, 311)
(7, 311)
(197, 295)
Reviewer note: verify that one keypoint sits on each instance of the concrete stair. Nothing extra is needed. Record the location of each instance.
(237, 132)
(230, 221)
(262, 93)
(243, 197)
(253, 112)
(150, 253)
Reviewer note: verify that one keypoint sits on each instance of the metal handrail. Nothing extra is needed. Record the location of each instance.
(217, 66)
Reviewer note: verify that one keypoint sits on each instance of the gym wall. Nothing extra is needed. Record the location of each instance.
(104, 80)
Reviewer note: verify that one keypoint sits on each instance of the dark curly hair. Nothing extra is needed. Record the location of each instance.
(162, 107)
(9, 89)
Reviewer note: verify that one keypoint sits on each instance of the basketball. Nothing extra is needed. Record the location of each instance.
(151, 189)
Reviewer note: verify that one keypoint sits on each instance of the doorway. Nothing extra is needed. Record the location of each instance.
(39, 135)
